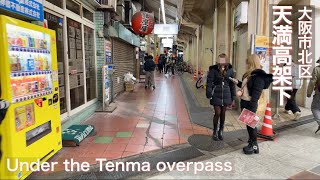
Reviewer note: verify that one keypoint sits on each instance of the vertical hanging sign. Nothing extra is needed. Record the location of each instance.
(283, 46)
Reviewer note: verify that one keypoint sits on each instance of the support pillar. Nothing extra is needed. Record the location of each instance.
(228, 28)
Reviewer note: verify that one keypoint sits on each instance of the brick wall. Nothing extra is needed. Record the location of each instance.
(99, 21)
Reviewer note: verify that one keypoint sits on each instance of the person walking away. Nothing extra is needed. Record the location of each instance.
(221, 92)
(291, 105)
(156, 61)
(314, 85)
(149, 67)
(169, 65)
(253, 82)
(161, 63)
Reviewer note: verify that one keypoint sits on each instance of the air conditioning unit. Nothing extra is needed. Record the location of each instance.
(121, 10)
(109, 4)
(241, 14)
(128, 12)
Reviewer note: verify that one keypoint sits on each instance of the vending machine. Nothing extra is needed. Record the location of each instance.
(31, 129)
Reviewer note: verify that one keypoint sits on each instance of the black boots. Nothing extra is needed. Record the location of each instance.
(251, 148)
(220, 133)
(215, 132)
(217, 135)
(317, 129)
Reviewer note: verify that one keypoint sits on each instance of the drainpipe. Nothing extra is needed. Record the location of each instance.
(257, 16)
(215, 28)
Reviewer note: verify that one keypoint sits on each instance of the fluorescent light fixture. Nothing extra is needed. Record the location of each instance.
(166, 29)
(163, 12)
(167, 41)
(165, 36)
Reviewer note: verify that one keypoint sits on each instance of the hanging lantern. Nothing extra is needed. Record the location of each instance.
(142, 23)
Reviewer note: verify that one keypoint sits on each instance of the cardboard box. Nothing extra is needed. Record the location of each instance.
(129, 87)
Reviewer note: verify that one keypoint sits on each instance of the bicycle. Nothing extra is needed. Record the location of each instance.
(179, 68)
(202, 81)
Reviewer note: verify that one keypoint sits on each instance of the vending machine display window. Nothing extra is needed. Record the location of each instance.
(30, 63)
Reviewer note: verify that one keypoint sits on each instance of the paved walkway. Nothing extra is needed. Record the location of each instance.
(295, 155)
(232, 124)
(145, 120)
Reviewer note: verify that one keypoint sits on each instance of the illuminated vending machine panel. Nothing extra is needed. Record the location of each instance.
(31, 129)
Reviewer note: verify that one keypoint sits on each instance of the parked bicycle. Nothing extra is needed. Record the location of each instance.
(202, 81)
(180, 68)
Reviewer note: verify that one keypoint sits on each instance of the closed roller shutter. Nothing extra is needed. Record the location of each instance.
(123, 60)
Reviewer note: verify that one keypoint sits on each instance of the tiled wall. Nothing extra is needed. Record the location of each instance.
(99, 21)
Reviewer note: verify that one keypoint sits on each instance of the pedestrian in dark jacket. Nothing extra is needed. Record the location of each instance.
(149, 67)
(161, 62)
(221, 92)
(253, 82)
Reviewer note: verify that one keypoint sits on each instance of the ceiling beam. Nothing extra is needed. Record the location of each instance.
(156, 15)
(170, 3)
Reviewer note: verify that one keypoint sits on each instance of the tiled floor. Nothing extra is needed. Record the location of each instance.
(232, 124)
(145, 120)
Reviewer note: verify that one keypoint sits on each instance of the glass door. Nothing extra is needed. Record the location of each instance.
(90, 63)
(56, 23)
(75, 60)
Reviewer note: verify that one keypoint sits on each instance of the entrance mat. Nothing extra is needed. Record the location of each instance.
(73, 135)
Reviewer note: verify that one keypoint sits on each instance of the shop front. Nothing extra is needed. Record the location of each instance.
(124, 57)
(74, 24)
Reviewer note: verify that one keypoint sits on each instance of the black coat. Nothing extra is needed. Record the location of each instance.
(220, 90)
(149, 65)
(258, 81)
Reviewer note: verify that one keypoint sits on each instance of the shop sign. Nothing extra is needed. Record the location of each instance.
(108, 52)
(29, 8)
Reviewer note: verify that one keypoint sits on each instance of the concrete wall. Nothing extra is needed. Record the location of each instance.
(99, 22)
(207, 44)
(221, 32)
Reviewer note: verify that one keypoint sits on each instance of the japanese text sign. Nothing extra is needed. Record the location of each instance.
(30, 8)
(291, 25)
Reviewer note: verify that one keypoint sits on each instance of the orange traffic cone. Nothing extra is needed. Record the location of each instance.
(195, 75)
(266, 131)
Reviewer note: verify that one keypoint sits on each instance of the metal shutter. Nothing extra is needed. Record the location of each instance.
(123, 60)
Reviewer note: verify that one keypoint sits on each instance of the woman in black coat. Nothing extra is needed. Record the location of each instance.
(253, 83)
(221, 92)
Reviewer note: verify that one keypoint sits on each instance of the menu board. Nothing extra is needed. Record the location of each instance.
(30, 63)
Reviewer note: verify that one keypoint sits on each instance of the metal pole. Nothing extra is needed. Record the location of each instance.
(198, 34)
(277, 115)
(215, 29)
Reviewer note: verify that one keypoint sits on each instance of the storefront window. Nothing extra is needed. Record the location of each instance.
(58, 3)
(75, 59)
(72, 6)
(56, 23)
(87, 14)
(90, 63)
